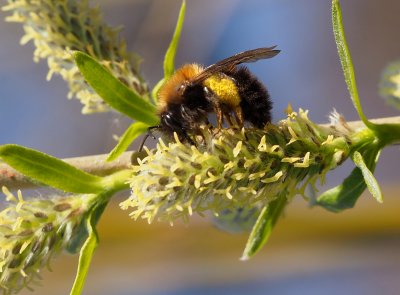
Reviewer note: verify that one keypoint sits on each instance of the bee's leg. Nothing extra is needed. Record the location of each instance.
(229, 120)
(239, 116)
(149, 133)
(184, 137)
(220, 118)
(200, 131)
(210, 96)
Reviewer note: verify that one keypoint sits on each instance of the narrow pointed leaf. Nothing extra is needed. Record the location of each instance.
(127, 138)
(369, 178)
(85, 257)
(154, 92)
(49, 170)
(263, 227)
(345, 59)
(169, 60)
(113, 91)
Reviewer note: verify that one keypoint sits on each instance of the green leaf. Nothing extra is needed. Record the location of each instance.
(127, 138)
(345, 59)
(369, 178)
(345, 195)
(49, 170)
(85, 257)
(169, 60)
(263, 227)
(154, 92)
(114, 92)
(82, 232)
(117, 181)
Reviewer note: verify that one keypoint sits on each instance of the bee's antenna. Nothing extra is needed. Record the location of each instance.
(149, 133)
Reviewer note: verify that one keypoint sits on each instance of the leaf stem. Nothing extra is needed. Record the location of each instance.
(117, 181)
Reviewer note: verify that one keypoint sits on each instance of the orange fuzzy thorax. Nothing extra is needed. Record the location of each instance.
(168, 93)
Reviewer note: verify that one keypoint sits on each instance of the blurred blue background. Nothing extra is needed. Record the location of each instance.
(306, 73)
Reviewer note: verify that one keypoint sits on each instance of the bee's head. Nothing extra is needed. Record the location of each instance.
(181, 88)
(173, 90)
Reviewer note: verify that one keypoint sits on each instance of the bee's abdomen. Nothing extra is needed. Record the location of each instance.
(255, 100)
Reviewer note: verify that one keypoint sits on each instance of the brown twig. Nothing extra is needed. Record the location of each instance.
(359, 124)
(98, 166)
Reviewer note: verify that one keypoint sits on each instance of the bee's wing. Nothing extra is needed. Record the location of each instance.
(230, 62)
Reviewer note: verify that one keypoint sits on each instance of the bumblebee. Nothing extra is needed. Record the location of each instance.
(229, 91)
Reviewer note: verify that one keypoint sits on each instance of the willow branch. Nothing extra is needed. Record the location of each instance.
(98, 166)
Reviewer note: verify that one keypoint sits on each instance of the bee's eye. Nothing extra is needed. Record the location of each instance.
(181, 88)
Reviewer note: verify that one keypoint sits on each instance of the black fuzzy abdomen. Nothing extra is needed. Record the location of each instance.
(255, 100)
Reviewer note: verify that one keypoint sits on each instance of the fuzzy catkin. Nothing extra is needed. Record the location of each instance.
(59, 27)
(235, 169)
(34, 231)
(389, 87)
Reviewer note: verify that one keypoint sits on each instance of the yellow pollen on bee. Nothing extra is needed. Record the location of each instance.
(224, 88)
